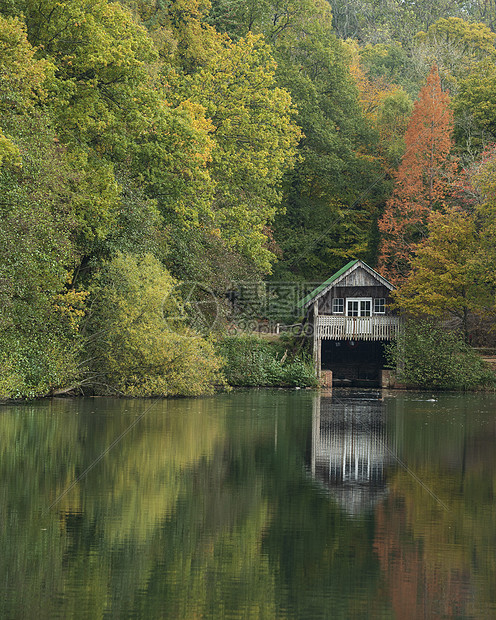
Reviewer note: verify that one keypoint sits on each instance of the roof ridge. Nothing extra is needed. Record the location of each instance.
(330, 280)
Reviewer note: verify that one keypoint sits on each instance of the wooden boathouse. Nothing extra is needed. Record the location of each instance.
(351, 319)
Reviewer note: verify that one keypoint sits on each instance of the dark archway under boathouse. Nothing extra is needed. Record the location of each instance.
(351, 322)
(354, 362)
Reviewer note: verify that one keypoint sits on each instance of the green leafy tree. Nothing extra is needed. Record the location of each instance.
(392, 62)
(251, 127)
(23, 77)
(109, 103)
(482, 178)
(442, 280)
(22, 81)
(371, 22)
(386, 107)
(455, 46)
(254, 138)
(39, 342)
(179, 30)
(475, 108)
(427, 355)
(484, 11)
(276, 20)
(327, 199)
(392, 120)
(135, 346)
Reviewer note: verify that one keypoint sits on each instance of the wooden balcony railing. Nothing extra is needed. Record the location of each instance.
(358, 327)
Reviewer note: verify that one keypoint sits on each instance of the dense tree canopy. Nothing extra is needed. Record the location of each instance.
(333, 188)
(217, 141)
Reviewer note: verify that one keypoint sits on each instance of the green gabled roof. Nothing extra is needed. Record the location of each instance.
(325, 284)
(338, 274)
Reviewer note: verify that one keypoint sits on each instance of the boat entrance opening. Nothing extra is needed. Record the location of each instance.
(354, 362)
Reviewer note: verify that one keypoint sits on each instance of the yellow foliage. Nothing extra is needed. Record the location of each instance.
(9, 153)
(372, 91)
(71, 304)
(22, 75)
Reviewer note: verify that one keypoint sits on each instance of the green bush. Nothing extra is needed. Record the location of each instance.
(250, 361)
(34, 368)
(134, 346)
(426, 355)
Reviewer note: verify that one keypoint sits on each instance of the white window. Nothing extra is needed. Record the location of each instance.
(338, 305)
(380, 305)
(358, 307)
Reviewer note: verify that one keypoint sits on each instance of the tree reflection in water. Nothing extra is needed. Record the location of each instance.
(261, 504)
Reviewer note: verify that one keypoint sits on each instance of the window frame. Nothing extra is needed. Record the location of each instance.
(359, 300)
(335, 299)
(377, 299)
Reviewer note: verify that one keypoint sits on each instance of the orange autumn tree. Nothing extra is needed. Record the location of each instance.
(425, 180)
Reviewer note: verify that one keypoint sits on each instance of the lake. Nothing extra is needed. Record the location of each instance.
(257, 504)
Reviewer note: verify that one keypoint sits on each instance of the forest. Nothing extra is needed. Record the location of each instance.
(145, 144)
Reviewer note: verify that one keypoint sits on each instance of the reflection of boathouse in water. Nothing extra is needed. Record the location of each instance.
(350, 450)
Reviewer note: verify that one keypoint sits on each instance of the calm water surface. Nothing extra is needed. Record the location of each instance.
(264, 504)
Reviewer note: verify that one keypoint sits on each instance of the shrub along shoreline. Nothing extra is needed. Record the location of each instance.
(428, 356)
(250, 361)
(147, 360)
(185, 365)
